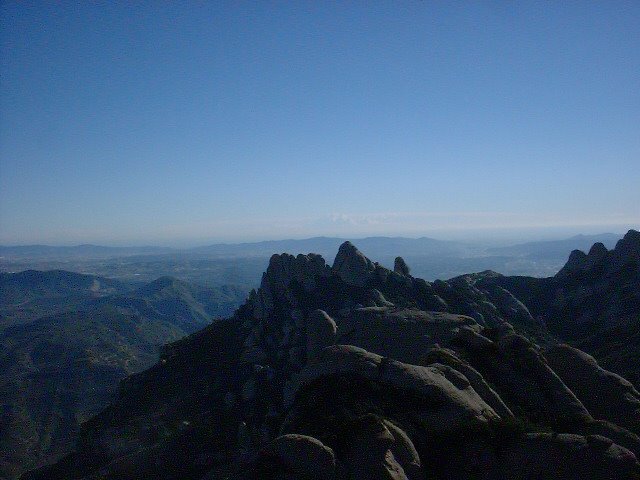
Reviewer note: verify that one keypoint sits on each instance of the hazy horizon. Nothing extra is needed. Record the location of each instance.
(487, 236)
(189, 124)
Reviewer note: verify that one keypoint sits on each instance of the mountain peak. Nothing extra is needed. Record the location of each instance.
(282, 269)
(598, 250)
(352, 266)
(626, 250)
(629, 245)
(401, 267)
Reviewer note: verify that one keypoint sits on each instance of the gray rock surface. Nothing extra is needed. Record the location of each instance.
(455, 402)
(522, 374)
(607, 396)
(352, 266)
(276, 281)
(402, 334)
(303, 455)
(321, 332)
(370, 456)
(561, 401)
(544, 456)
(404, 452)
(400, 266)
(448, 357)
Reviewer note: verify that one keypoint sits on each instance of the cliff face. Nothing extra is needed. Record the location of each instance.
(355, 371)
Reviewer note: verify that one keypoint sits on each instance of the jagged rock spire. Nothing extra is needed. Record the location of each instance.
(352, 266)
(629, 245)
(627, 250)
(282, 270)
(401, 267)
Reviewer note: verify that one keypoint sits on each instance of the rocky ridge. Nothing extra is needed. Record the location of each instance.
(360, 372)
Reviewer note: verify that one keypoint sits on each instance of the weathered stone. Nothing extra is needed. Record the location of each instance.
(352, 266)
(545, 456)
(402, 334)
(405, 452)
(607, 396)
(448, 357)
(457, 403)
(303, 455)
(400, 266)
(471, 339)
(378, 298)
(321, 332)
(370, 456)
(561, 401)
(249, 389)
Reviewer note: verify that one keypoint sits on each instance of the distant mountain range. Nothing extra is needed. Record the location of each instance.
(328, 246)
(555, 248)
(243, 263)
(374, 246)
(67, 339)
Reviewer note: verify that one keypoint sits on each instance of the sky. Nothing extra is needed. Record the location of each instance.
(182, 123)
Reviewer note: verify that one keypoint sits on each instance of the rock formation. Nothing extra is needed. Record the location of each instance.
(358, 372)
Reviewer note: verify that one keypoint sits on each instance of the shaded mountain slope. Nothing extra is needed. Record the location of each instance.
(355, 371)
(27, 295)
(59, 370)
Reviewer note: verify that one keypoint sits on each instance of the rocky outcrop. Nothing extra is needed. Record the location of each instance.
(576, 263)
(283, 269)
(357, 371)
(404, 452)
(301, 455)
(607, 395)
(448, 357)
(402, 334)
(627, 250)
(371, 453)
(400, 267)
(546, 456)
(352, 266)
(524, 378)
(321, 332)
(454, 401)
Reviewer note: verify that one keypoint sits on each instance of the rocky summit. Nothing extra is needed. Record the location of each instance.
(355, 371)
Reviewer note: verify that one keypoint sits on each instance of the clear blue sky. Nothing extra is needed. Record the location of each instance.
(188, 122)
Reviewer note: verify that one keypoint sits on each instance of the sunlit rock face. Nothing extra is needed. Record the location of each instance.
(358, 372)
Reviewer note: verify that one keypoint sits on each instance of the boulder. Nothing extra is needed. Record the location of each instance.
(469, 338)
(561, 402)
(510, 307)
(402, 334)
(378, 298)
